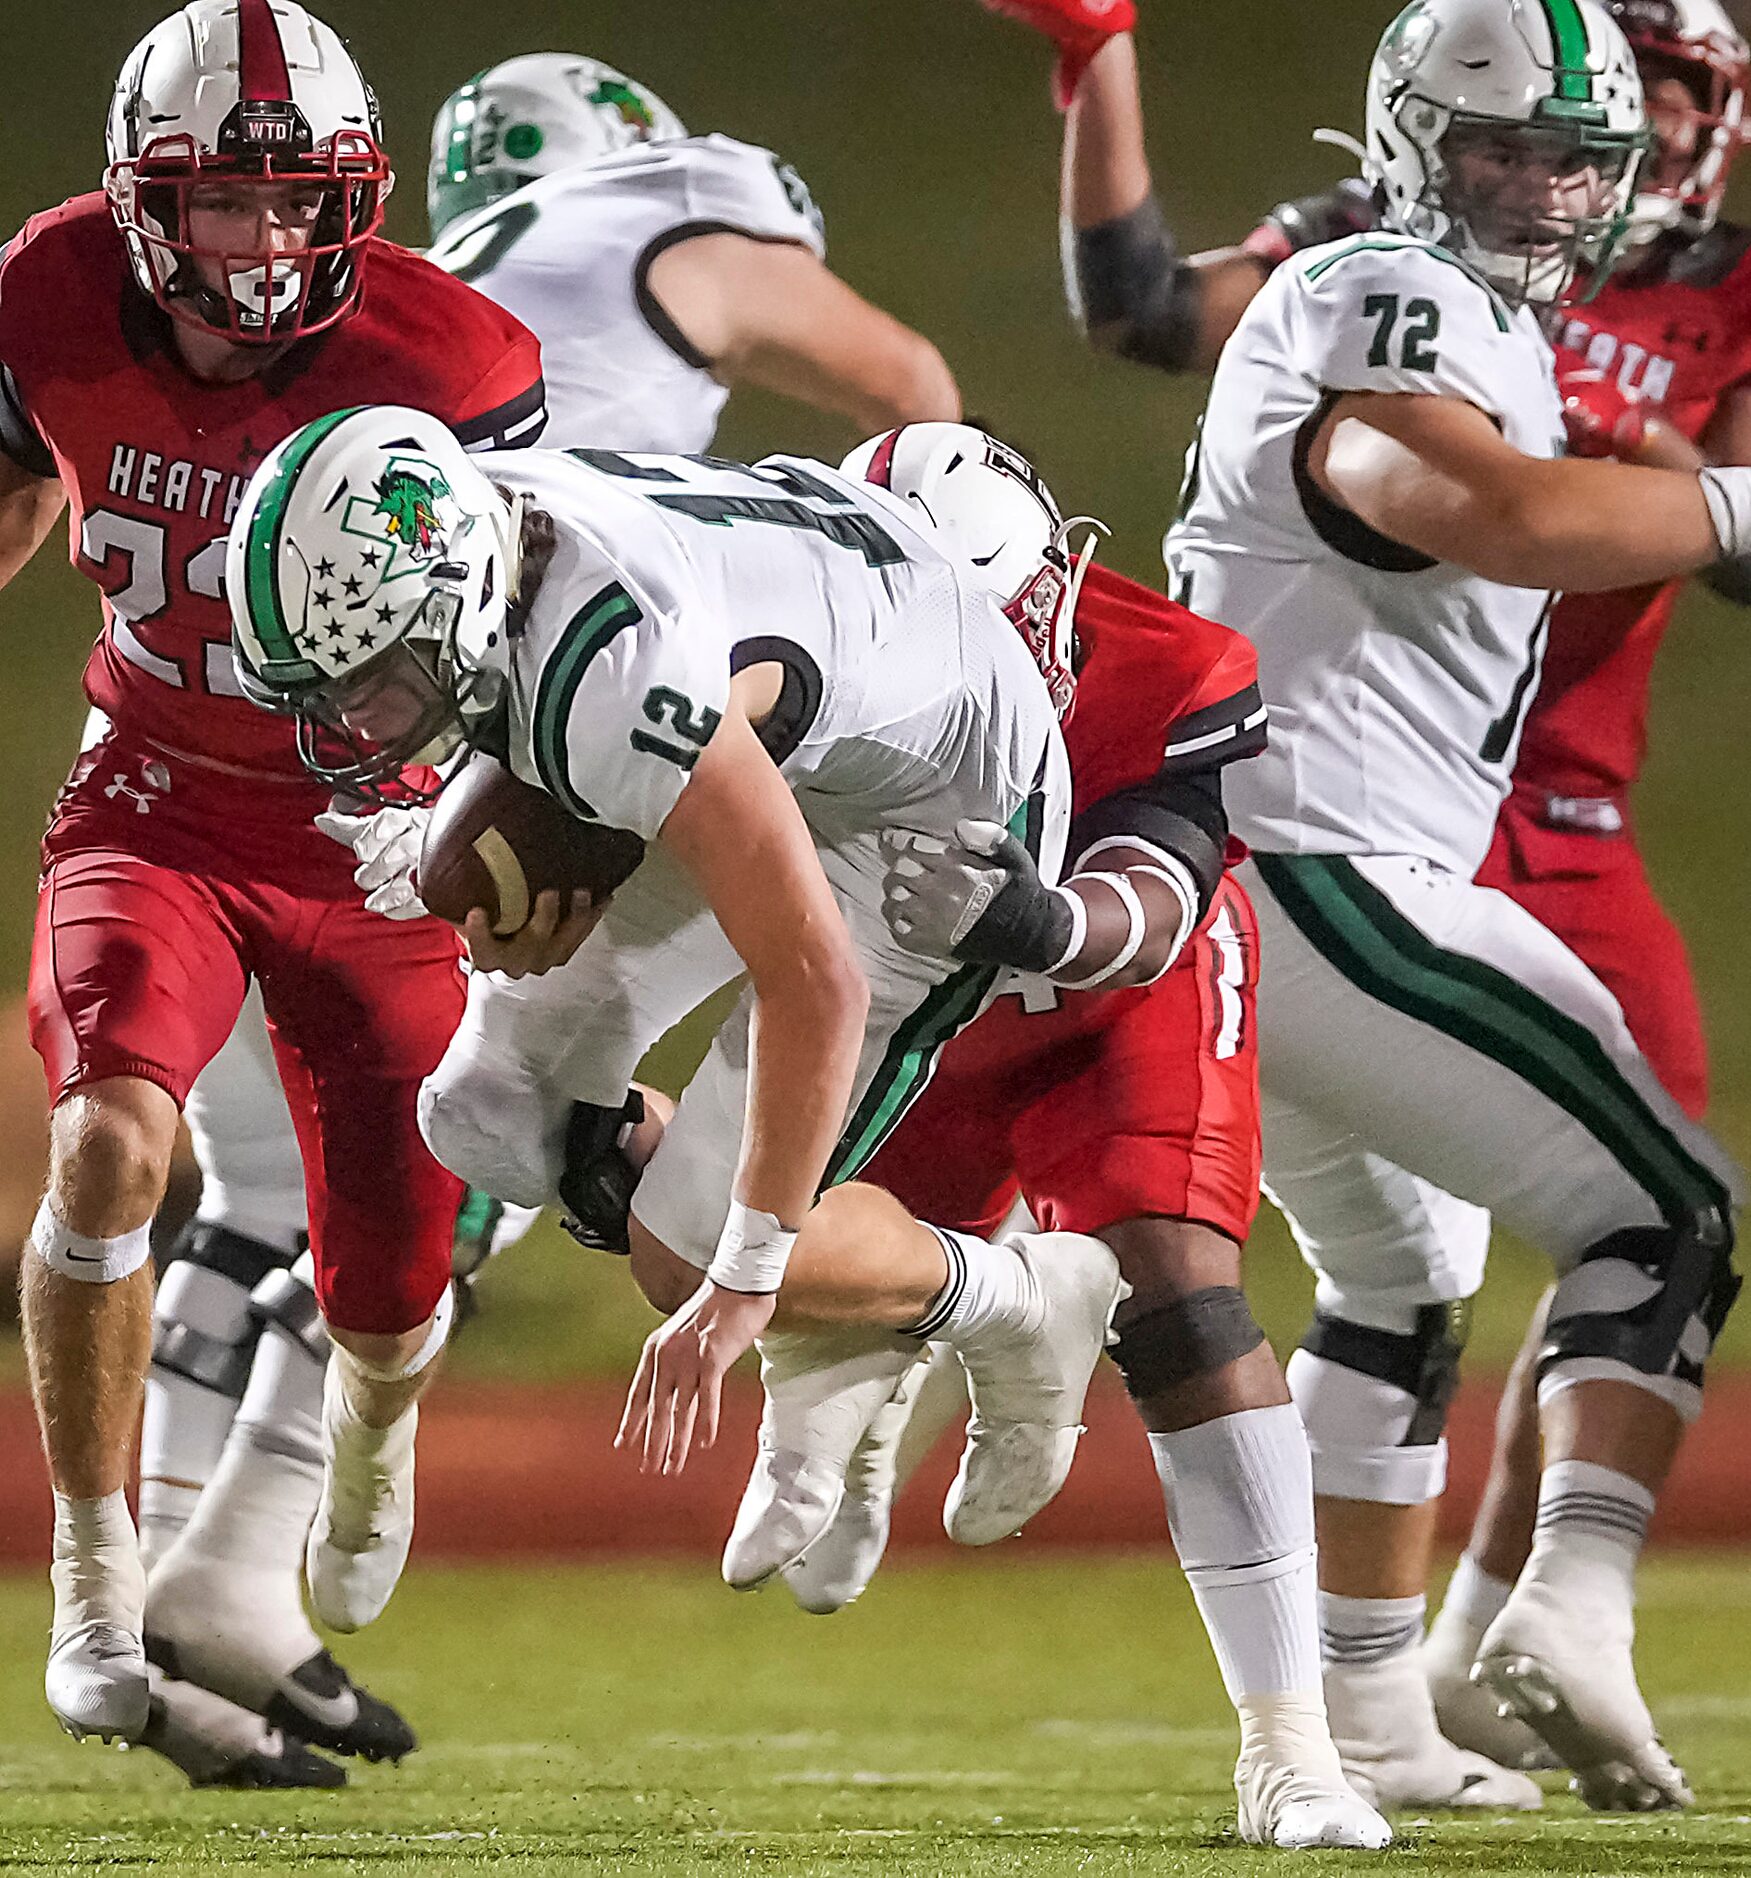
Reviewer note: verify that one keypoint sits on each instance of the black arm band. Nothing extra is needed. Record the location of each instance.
(1181, 815)
(1731, 579)
(1130, 291)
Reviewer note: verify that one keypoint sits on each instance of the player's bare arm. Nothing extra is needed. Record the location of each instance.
(28, 508)
(737, 831)
(1135, 295)
(776, 316)
(1436, 475)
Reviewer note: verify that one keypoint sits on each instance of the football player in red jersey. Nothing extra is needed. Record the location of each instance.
(1655, 369)
(1118, 1095)
(231, 285)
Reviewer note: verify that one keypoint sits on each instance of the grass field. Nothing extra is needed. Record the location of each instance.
(991, 1718)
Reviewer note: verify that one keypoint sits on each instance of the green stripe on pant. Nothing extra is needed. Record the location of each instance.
(1358, 931)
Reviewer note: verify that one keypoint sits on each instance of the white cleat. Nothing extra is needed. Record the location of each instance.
(96, 1681)
(1028, 1391)
(836, 1570)
(1561, 1661)
(823, 1390)
(1466, 1713)
(1394, 1754)
(1290, 1784)
(359, 1542)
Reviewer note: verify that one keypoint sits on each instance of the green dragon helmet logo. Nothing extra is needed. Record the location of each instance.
(632, 108)
(410, 502)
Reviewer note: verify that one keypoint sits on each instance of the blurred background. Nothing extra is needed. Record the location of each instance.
(924, 130)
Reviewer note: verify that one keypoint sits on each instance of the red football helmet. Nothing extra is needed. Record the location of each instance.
(254, 94)
(1694, 41)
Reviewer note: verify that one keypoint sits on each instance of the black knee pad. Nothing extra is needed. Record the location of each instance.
(1176, 1339)
(596, 1185)
(184, 1351)
(1675, 1286)
(1423, 1362)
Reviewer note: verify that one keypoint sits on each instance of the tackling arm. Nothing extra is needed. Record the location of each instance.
(29, 505)
(774, 315)
(1435, 474)
(1149, 860)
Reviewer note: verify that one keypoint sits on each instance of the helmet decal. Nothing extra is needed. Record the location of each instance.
(263, 76)
(410, 501)
(632, 108)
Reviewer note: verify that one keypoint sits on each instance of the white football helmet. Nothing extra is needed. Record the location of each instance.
(1682, 181)
(994, 513)
(370, 568)
(529, 117)
(250, 94)
(1509, 131)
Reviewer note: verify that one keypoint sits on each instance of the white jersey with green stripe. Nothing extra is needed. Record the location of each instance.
(569, 255)
(908, 699)
(1397, 685)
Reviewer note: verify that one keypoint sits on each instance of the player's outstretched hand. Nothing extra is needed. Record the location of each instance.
(1078, 28)
(386, 847)
(548, 941)
(672, 1406)
(1601, 420)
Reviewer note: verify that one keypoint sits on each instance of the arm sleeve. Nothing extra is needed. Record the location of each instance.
(1179, 816)
(738, 188)
(1385, 313)
(1129, 289)
(632, 693)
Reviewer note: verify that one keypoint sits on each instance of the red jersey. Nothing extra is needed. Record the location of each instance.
(1676, 332)
(154, 460)
(1160, 693)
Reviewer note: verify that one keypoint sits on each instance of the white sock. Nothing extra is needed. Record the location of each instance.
(96, 1570)
(1591, 1516)
(989, 1290)
(183, 1428)
(1239, 1495)
(391, 1445)
(1474, 1597)
(1362, 1633)
(262, 1498)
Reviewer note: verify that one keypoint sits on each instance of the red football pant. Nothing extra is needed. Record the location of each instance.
(1593, 892)
(165, 888)
(1107, 1107)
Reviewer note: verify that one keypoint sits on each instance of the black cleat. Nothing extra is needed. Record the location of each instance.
(320, 1702)
(217, 1744)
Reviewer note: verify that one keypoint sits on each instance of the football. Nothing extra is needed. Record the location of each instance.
(496, 843)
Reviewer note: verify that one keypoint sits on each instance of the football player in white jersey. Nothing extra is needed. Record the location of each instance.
(658, 270)
(583, 611)
(1379, 502)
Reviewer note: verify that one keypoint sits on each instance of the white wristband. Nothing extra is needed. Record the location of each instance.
(752, 1251)
(1139, 925)
(1078, 930)
(1727, 491)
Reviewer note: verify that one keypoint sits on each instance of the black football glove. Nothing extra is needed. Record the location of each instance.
(1347, 208)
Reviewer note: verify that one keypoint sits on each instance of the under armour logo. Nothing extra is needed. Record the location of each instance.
(157, 780)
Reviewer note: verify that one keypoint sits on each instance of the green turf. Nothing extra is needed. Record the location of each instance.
(1046, 1717)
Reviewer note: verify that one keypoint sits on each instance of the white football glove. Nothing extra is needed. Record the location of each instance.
(1727, 491)
(386, 847)
(979, 898)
